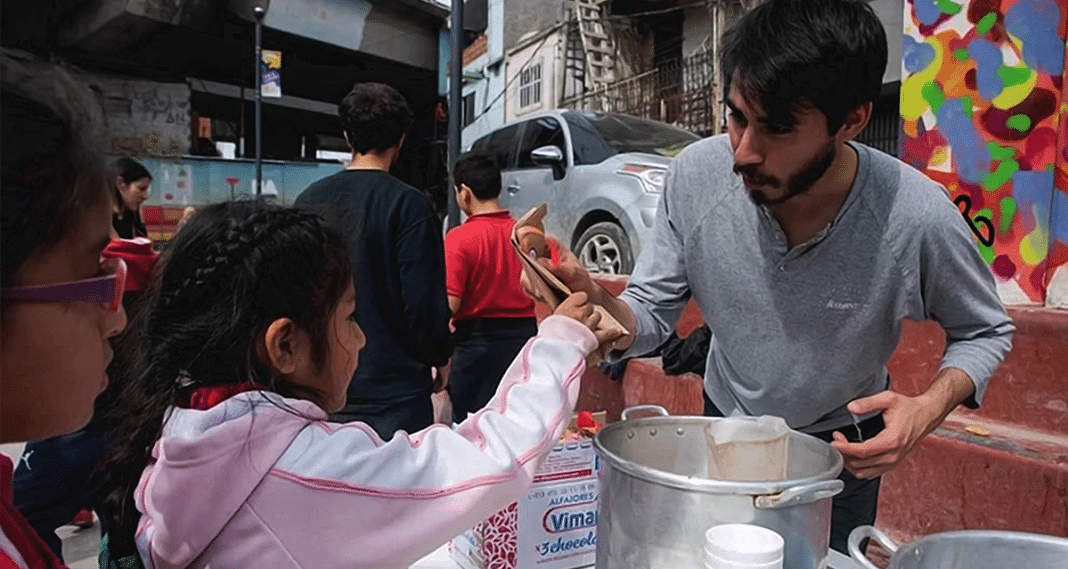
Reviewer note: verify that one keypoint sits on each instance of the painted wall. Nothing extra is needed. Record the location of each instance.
(526, 16)
(484, 77)
(488, 90)
(548, 50)
(983, 108)
(1057, 294)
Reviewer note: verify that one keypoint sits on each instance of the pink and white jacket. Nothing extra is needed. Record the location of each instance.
(264, 481)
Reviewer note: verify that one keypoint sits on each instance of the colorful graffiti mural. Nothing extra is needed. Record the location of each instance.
(1058, 253)
(984, 107)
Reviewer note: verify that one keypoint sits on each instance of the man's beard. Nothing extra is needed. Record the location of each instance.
(798, 184)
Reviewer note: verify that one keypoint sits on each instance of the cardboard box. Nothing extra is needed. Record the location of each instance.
(558, 526)
(552, 526)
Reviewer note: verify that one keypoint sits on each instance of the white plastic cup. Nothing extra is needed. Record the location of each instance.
(742, 546)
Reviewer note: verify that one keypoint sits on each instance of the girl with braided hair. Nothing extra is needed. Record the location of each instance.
(224, 456)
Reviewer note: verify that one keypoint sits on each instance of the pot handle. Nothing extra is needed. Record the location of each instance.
(798, 495)
(859, 534)
(654, 409)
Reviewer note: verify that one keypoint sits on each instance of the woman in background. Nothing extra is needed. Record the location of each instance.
(132, 184)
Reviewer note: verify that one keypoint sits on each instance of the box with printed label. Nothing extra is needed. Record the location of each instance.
(552, 526)
(568, 460)
(558, 526)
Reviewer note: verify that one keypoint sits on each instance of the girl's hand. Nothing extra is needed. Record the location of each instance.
(578, 307)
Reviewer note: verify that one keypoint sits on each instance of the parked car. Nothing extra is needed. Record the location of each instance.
(601, 175)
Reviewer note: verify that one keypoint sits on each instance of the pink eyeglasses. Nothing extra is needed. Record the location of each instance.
(106, 289)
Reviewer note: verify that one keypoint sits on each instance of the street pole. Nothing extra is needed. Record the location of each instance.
(456, 83)
(259, 12)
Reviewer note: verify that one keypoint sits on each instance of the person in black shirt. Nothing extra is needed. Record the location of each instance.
(132, 183)
(397, 252)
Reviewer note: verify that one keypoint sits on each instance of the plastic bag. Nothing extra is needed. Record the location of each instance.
(528, 238)
(748, 449)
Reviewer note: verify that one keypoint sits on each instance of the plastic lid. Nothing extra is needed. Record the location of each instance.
(744, 543)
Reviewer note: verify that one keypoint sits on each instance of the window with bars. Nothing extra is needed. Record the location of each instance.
(530, 85)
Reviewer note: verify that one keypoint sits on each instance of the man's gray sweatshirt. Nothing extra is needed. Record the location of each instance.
(801, 332)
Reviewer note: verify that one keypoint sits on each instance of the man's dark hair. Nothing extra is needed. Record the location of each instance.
(796, 54)
(478, 171)
(374, 117)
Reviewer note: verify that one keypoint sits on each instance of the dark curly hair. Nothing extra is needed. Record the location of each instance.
(796, 54)
(478, 171)
(235, 268)
(374, 116)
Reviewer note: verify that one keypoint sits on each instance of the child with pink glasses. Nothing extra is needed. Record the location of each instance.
(59, 302)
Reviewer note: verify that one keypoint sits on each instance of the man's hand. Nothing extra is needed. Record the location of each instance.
(565, 266)
(578, 307)
(908, 419)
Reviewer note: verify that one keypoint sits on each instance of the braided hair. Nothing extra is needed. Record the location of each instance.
(235, 268)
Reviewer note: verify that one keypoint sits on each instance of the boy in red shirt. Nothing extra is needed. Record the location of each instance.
(492, 315)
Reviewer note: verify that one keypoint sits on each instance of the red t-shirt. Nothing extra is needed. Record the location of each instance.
(482, 269)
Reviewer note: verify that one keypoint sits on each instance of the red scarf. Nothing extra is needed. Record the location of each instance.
(205, 397)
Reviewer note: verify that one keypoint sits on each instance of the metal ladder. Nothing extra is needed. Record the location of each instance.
(596, 43)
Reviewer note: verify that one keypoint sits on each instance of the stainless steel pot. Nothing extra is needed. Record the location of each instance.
(656, 502)
(966, 549)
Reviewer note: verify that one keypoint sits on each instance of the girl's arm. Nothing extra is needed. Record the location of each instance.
(387, 504)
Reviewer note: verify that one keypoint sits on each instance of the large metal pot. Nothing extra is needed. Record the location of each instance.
(656, 502)
(966, 549)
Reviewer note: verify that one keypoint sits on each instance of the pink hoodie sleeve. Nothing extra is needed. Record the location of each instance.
(383, 504)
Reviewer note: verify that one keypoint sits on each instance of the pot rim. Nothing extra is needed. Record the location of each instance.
(980, 534)
(705, 485)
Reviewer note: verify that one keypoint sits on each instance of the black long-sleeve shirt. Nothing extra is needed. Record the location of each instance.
(397, 253)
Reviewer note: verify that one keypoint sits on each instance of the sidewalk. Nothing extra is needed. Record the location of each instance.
(79, 545)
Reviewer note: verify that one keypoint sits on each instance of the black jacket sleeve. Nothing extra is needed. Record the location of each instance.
(421, 267)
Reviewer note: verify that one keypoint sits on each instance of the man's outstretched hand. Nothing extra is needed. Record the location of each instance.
(908, 420)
